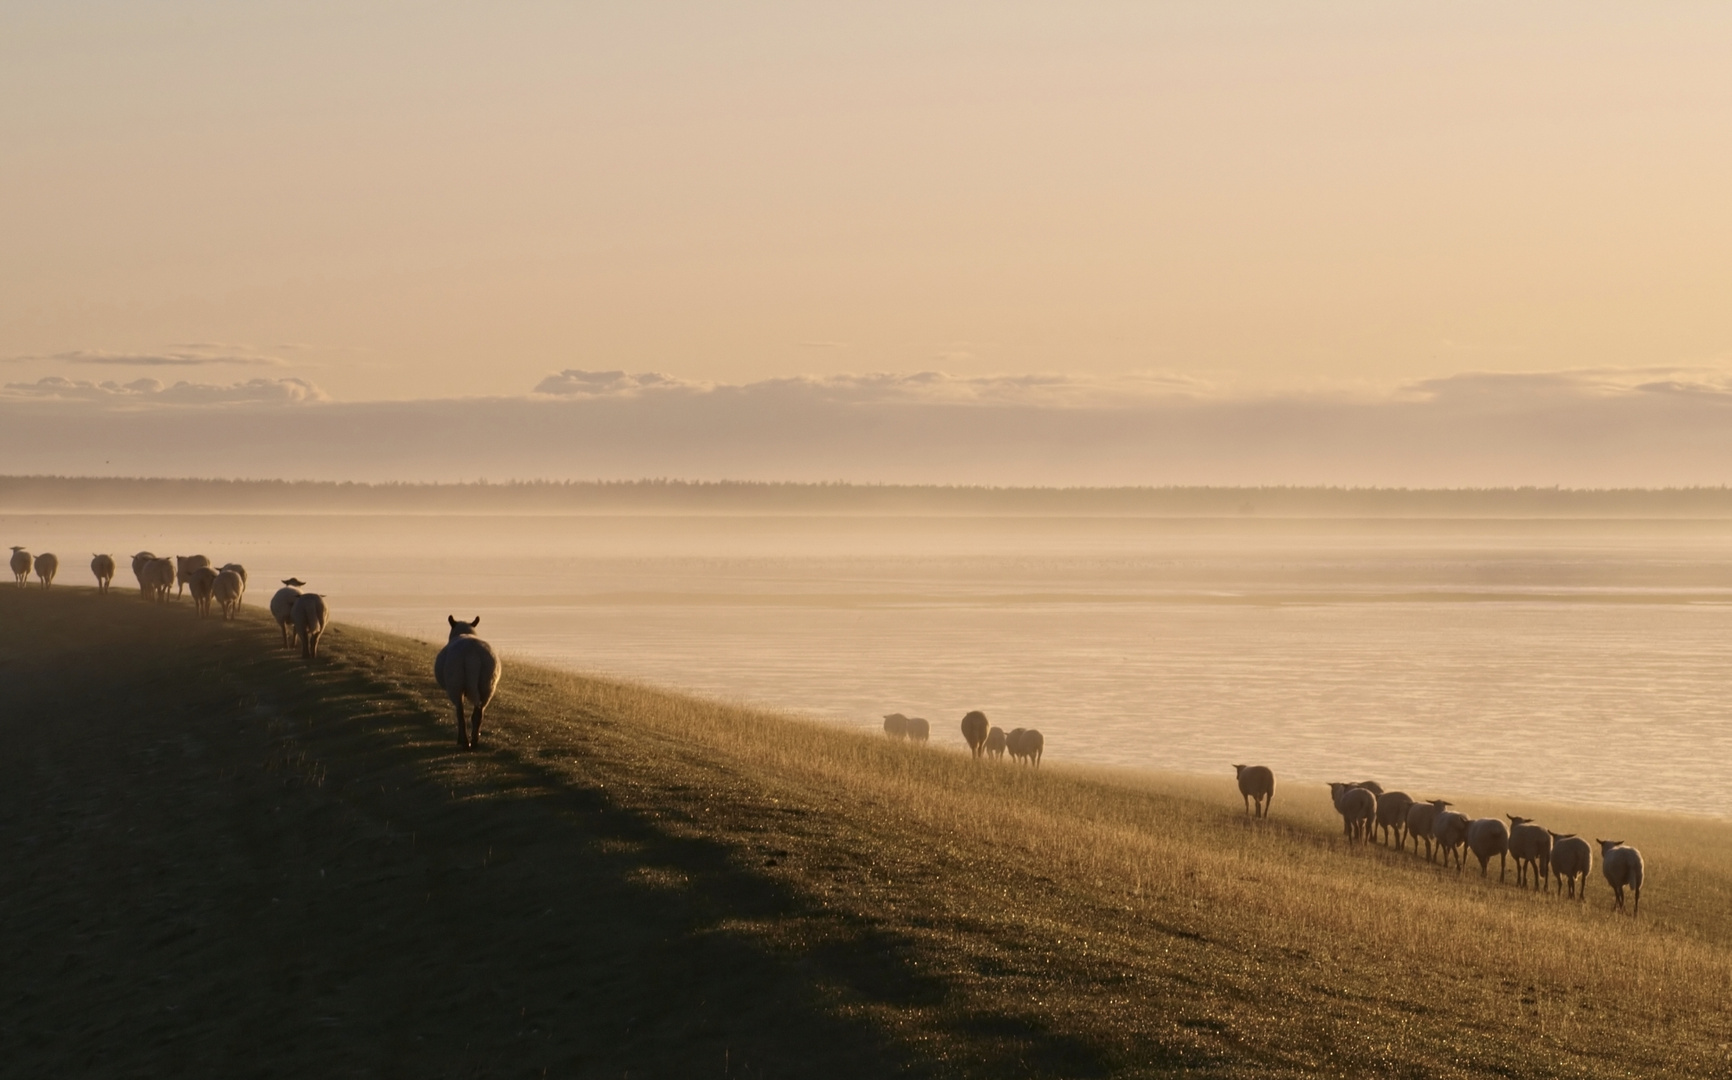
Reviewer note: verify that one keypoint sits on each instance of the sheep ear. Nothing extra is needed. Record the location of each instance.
(452, 619)
(475, 621)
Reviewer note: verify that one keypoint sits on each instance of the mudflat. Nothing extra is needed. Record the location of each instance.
(220, 859)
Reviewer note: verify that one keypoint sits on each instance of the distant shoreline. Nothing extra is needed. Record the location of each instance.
(63, 494)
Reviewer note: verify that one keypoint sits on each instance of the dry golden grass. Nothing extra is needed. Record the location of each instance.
(799, 900)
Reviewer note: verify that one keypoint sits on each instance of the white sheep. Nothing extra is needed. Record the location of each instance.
(895, 724)
(1392, 808)
(47, 565)
(974, 729)
(995, 743)
(1486, 837)
(308, 617)
(22, 561)
(1622, 866)
(1357, 807)
(1257, 785)
(203, 586)
(242, 572)
(467, 667)
(184, 565)
(918, 729)
(1571, 858)
(145, 588)
(1421, 816)
(228, 591)
(158, 579)
(283, 605)
(1032, 744)
(1449, 829)
(103, 567)
(1530, 846)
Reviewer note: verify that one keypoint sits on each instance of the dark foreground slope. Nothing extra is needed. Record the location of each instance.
(216, 859)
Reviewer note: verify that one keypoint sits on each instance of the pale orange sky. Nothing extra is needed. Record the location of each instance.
(416, 200)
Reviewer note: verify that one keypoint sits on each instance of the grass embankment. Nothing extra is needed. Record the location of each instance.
(219, 860)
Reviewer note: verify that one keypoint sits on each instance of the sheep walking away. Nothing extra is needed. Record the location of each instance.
(283, 606)
(1572, 858)
(1531, 847)
(1622, 867)
(1257, 785)
(974, 728)
(1421, 816)
(1449, 829)
(467, 668)
(202, 584)
(995, 743)
(184, 565)
(227, 590)
(1392, 808)
(1487, 837)
(308, 617)
(47, 565)
(1358, 809)
(22, 561)
(103, 567)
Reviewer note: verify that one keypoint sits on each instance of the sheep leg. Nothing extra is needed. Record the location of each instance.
(1502, 866)
(475, 725)
(462, 735)
(1636, 908)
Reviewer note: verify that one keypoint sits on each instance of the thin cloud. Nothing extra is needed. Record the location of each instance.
(183, 356)
(255, 391)
(871, 388)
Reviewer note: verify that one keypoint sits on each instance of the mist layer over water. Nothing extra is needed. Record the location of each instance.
(1570, 661)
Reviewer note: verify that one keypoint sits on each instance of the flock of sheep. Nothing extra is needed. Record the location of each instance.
(1369, 813)
(467, 668)
(1023, 744)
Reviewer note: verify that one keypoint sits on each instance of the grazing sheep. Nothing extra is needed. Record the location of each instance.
(103, 567)
(895, 725)
(1420, 818)
(308, 617)
(1530, 846)
(139, 562)
(918, 729)
(467, 667)
(203, 586)
(995, 744)
(974, 729)
(159, 579)
(1392, 808)
(1257, 785)
(1357, 807)
(1449, 829)
(47, 565)
(283, 604)
(1571, 858)
(22, 561)
(1622, 866)
(228, 590)
(1487, 837)
(242, 571)
(184, 565)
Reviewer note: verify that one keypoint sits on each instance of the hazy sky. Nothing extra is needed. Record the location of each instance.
(1227, 202)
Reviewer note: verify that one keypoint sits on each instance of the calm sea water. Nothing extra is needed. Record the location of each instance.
(1581, 662)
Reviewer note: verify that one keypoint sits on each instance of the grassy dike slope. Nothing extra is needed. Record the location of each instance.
(216, 859)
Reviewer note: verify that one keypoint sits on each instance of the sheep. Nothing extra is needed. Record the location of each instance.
(103, 567)
(1530, 846)
(1487, 837)
(918, 729)
(1369, 785)
(1622, 866)
(1449, 829)
(139, 562)
(308, 617)
(240, 570)
(1571, 858)
(1392, 808)
(995, 743)
(159, 579)
(1257, 785)
(1357, 807)
(1420, 818)
(228, 591)
(896, 726)
(467, 667)
(47, 565)
(184, 565)
(22, 561)
(1032, 744)
(974, 728)
(283, 604)
(203, 585)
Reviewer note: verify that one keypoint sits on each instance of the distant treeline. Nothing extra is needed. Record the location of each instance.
(64, 493)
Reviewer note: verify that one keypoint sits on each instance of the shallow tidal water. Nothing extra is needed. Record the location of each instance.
(1586, 662)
